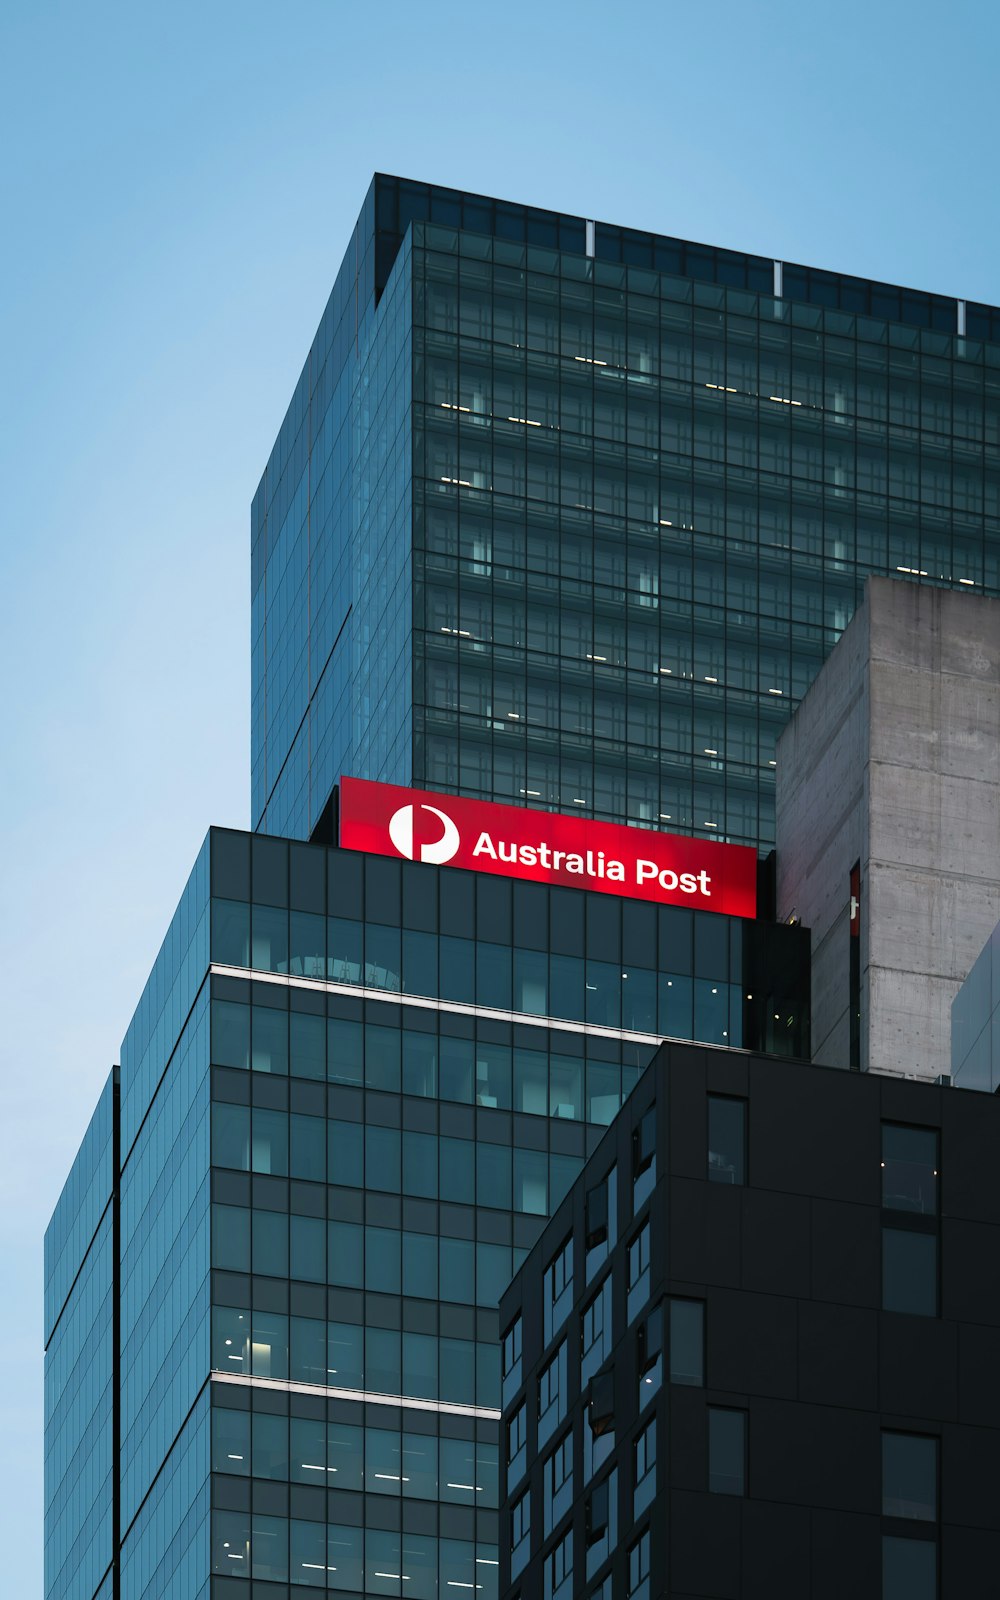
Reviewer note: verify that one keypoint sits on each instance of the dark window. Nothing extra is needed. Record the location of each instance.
(909, 1476)
(512, 1346)
(638, 1271)
(909, 1272)
(687, 1342)
(559, 1567)
(726, 1139)
(520, 1532)
(909, 1169)
(727, 1451)
(595, 1331)
(644, 1143)
(597, 1215)
(601, 1406)
(644, 1460)
(552, 1394)
(650, 1355)
(638, 1568)
(517, 1435)
(596, 1525)
(909, 1569)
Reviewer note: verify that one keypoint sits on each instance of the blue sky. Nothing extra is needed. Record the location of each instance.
(177, 185)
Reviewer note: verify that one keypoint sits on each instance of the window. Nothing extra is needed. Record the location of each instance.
(643, 1158)
(638, 1271)
(649, 1339)
(909, 1272)
(687, 1342)
(644, 1452)
(559, 1569)
(558, 1290)
(601, 1522)
(597, 1215)
(638, 1568)
(552, 1395)
(727, 1449)
(595, 1332)
(520, 1533)
(726, 1139)
(909, 1568)
(557, 1477)
(601, 1405)
(517, 1438)
(601, 1222)
(909, 1169)
(909, 1476)
(510, 1360)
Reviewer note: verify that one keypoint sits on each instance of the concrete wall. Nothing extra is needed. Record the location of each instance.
(893, 759)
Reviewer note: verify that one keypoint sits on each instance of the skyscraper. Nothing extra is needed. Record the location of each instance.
(561, 517)
(569, 515)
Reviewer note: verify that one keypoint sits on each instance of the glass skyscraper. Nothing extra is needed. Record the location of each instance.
(569, 515)
(560, 515)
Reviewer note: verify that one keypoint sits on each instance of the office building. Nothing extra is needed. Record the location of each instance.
(753, 1352)
(353, 1089)
(568, 515)
(563, 519)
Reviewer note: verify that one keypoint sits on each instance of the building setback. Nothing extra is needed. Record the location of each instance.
(754, 1350)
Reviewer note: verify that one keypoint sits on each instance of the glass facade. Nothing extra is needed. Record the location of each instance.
(975, 1023)
(641, 494)
(352, 1092)
(81, 1322)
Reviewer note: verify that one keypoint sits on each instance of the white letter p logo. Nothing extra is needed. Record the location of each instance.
(401, 834)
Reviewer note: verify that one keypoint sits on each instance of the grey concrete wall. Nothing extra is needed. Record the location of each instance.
(893, 758)
(820, 812)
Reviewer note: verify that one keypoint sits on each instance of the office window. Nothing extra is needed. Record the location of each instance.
(601, 1522)
(638, 1568)
(601, 1222)
(510, 1360)
(595, 1331)
(599, 1424)
(910, 1169)
(687, 1342)
(638, 1271)
(909, 1476)
(643, 1158)
(517, 1438)
(644, 1462)
(557, 1290)
(727, 1450)
(558, 1578)
(909, 1272)
(552, 1395)
(557, 1479)
(726, 1139)
(649, 1340)
(909, 1569)
(520, 1533)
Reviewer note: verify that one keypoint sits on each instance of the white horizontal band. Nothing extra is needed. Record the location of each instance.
(449, 1408)
(458, 1008)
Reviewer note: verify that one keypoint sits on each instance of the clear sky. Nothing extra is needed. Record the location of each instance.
(177, 186)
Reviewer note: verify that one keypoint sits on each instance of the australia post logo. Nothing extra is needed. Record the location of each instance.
(545, 847)
(435, 851)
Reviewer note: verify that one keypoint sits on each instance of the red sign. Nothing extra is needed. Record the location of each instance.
(547, 847)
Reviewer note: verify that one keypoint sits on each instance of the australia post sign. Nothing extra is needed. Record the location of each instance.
(547, 848)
